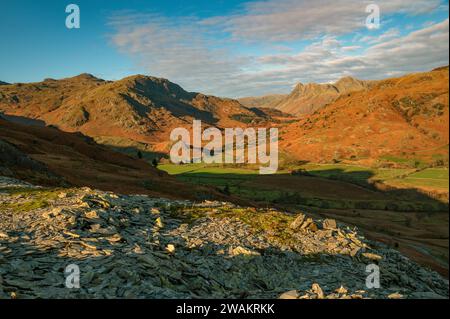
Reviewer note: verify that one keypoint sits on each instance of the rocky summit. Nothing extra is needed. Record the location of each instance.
(136, 246)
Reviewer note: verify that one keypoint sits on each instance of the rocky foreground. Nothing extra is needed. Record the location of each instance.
(142, 247)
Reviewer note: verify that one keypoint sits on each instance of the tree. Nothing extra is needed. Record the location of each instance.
(226, 190)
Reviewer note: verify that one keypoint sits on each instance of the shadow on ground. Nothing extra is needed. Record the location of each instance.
(409, 220)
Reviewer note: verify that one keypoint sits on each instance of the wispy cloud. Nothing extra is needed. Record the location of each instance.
(180, 51)
(422, 49)
(389, 34)
(290, 20)
(419, 50)
(204, 55)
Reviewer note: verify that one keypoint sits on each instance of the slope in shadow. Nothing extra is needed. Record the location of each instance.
(407, 219)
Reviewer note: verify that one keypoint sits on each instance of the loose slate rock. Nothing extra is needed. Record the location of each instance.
(135, 246)
(297, 223)
(329, 224)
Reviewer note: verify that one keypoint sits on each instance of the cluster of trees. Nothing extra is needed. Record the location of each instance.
(155, 161)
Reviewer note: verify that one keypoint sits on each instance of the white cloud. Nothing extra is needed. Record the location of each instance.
(351, 48)
(389, 34)
(290, 20)
(418, 51)
(181, 52)
(193, 53)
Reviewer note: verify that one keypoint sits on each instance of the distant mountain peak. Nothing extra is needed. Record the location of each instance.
(80, 77)
(87, 76)
(311, 90)
(150, 85)
(350, 84)
(347, 79)
(140, 78)
(307, 98)
(3, 83)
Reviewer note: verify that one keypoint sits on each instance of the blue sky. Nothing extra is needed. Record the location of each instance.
(38, 45)
(223, 47)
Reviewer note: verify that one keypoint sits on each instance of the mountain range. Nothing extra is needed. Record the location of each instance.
(139, 108)
(350, 119)
(307, 98)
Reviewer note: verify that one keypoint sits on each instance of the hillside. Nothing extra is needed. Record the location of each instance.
(143, 247)
(138, 108)
(403, 118)
(47, 156)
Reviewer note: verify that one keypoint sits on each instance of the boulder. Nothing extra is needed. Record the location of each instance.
(313, 227)
(341, 290)
(329, 224)
(307, 222)
(293, 294)
(170, 248)
(297, 223)
(318, 291)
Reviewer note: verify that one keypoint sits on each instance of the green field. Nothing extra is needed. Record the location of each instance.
(335, 186)
(431, 173)
(210, 174)
(354, 174)
(430, 178)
